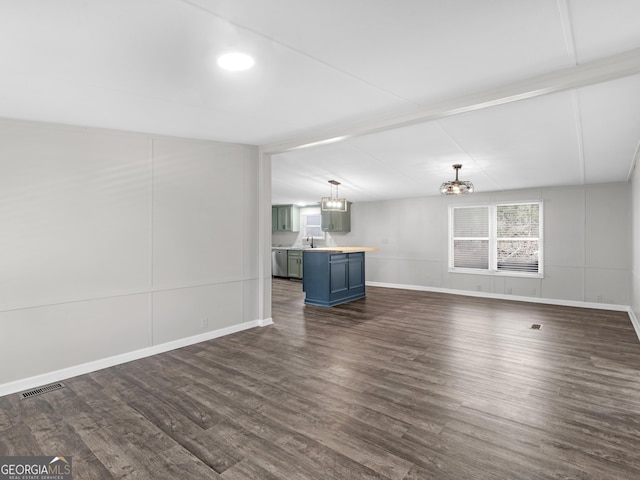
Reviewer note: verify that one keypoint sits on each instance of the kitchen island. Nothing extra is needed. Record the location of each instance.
(334, 275)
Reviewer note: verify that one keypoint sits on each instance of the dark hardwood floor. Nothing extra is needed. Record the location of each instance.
(399, 385)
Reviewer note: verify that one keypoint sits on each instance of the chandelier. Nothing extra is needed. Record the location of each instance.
(334, 203)
(456, 187)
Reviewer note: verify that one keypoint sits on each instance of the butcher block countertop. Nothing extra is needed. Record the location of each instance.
(342, 249)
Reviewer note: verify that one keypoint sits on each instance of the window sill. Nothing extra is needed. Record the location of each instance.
(495, 273)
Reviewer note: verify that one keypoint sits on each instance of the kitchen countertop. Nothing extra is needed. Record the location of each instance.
(329, 249)
(341, 249)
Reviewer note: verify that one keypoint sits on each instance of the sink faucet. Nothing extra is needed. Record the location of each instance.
(310, 237)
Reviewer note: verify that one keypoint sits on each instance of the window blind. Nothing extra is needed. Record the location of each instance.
(312, 226)
(471, 237)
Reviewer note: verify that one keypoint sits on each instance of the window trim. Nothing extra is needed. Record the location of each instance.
(493, 241)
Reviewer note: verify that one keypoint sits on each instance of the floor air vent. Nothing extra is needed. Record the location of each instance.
(41, 390)
(536, 326)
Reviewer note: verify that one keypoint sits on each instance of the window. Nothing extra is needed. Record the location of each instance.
(504, 239)
(312, 225)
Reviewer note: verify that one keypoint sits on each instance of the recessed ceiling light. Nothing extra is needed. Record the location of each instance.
(235, 61)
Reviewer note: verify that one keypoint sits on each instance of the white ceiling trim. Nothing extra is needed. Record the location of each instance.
(634, 162)
(594, 72)
(565, 20)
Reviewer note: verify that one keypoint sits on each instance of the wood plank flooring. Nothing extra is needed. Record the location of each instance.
(401, 385)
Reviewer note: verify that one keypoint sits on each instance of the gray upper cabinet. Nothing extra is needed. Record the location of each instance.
(339, 222)
(285, 218)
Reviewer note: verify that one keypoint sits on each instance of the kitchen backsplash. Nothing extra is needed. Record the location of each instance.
(288, 239)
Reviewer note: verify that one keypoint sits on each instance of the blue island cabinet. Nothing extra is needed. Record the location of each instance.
(332, 278)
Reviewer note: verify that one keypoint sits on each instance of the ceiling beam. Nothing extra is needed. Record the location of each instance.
(598, 71)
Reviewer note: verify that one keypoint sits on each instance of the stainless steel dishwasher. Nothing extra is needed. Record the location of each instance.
(279, 262)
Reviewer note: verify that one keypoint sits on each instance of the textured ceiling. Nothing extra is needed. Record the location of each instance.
(358, 68)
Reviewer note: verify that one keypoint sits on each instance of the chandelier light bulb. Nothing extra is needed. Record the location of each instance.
(333, 203)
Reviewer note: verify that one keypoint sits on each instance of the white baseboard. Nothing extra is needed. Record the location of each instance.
(266, 322)
(65, 373)
(518, 298)
(634, 322)
(500, 296)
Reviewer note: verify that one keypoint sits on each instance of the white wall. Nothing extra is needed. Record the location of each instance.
(587, 247)
(635, 264)
(114, 242)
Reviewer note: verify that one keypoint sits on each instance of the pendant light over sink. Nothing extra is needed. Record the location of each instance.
(334, 203)
(456, 187)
